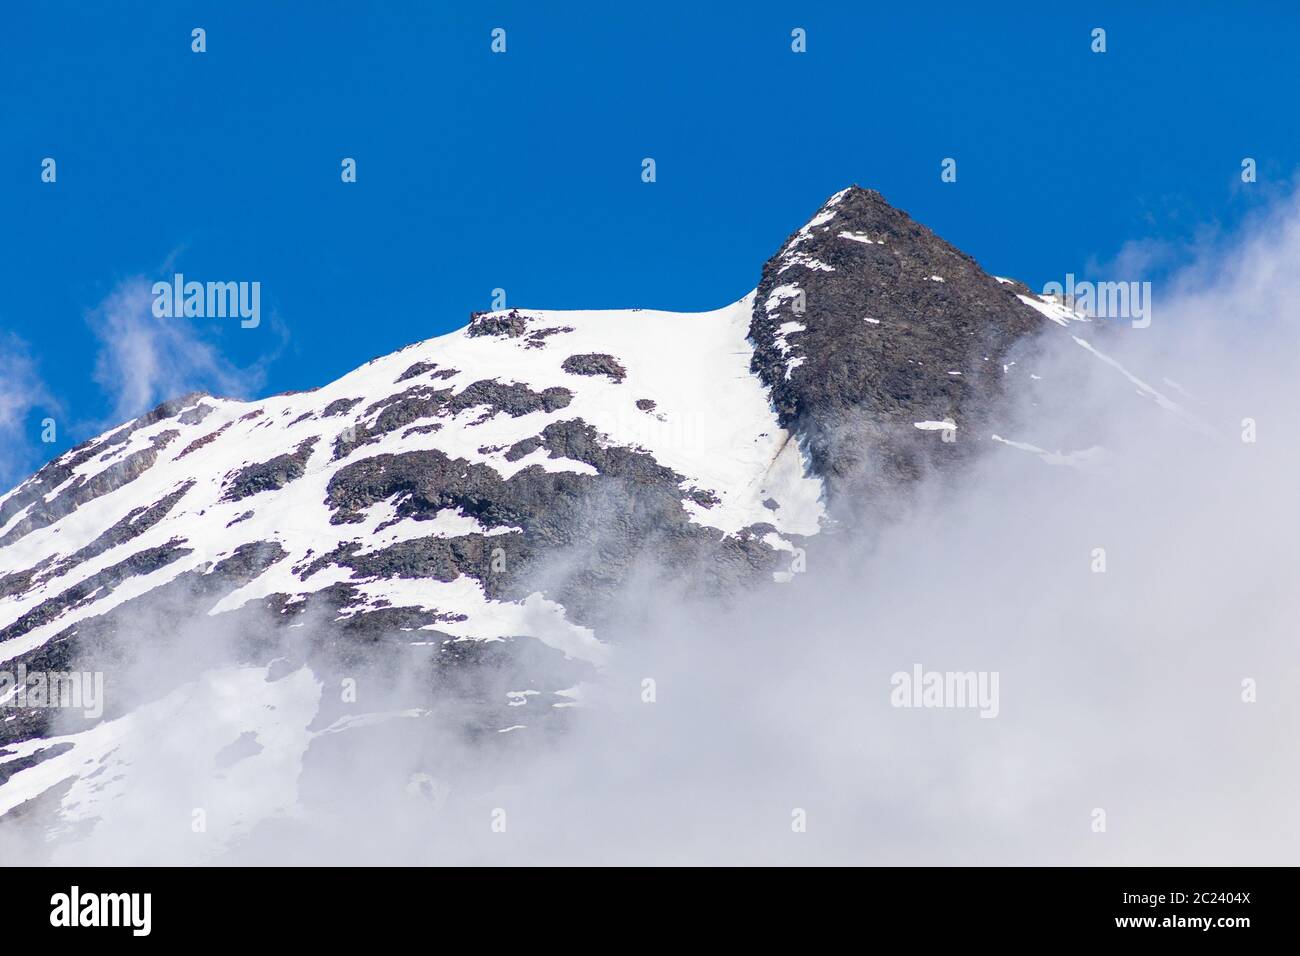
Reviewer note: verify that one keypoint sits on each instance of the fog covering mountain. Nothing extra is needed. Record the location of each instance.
(629, 586)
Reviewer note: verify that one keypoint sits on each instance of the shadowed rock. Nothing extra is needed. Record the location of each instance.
(269, 475)
(860, 322)
(595, 363)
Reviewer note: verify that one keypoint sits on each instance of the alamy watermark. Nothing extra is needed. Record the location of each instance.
(208, 300)
(946, 689)
(1104, 300)
(133, 911)
(82, 690)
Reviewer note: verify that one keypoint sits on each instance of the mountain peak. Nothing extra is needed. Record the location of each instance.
(468, 510)
(857, 210)
(865, 311)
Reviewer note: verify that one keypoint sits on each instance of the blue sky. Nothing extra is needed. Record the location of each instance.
(522, 170)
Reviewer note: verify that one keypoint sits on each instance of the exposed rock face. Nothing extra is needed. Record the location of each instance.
(546, 511)
(317, 505)
(43, 510)
(867, 323)
(340, 406)
(510, 324)
(204, 440)
(269, 475)
(111, 642)
(193, 416)
(142, 562)
(423, 402)
(419, 368)
(134, 524)
(537, 337)
(595, 364)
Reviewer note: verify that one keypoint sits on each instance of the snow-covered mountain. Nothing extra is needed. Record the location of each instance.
(470, 507)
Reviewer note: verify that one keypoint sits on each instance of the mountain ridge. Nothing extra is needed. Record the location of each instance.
(467, 510)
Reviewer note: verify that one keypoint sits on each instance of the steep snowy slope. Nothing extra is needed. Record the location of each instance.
(296, 473)
(469, 508)
(425, 498)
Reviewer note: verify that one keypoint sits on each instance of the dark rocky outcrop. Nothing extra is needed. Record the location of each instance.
(424, 401)
(852, 389)
(82, 490)
(419, 368)
(595, 363)
(636, 505)
(131, 526)
(195, 415)
(510, 324)
(537, 337)
(142, 562)
(202, 441)
(269, 475)
(340, 406)
(10, 767)
(125, 638)
(62, 469)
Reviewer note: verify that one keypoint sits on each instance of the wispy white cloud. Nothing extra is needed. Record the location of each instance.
(144, 359)
(22, 393)
(1199, 253)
